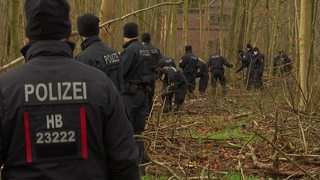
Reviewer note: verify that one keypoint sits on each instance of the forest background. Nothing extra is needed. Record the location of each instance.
(283, 118)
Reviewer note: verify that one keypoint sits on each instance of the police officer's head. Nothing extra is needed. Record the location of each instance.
(282, 54)
(88, 25)
(255, 50)
(248, 46)
(145, 37)
(47, 19)
(130, 31)
(188, 48)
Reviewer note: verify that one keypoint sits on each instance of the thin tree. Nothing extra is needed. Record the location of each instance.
(14, 28)
(106, 13)
(305, 40)
(185, 22)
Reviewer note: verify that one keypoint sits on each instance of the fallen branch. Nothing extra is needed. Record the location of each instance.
(148, 140)
(245, 114)
(241, 151)
(256, 163)
(284, 155)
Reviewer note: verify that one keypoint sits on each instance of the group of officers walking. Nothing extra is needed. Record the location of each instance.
(253, 61)
(63, 119)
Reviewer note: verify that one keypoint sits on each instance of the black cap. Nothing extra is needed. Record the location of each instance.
(256, 49)
(47, 19)
(145, 37)
(188, 48)
(130, 30)
(88, 25)
(249, 46)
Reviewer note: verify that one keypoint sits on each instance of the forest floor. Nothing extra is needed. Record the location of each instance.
(244, 135)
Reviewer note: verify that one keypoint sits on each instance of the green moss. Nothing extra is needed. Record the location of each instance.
(230, 133)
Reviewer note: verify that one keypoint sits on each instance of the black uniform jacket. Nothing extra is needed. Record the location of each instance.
(257, 64)
(97, 54)
(61, 119)
(189, 63)
(202, 69)
(217, 63)
(136, 62)
(155, 56)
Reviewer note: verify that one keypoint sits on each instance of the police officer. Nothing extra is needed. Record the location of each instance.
(216, 65)
(174, 85)
(59, 118)
(277, 64)
(166, 61)
(95, 53)
(286, 63)
(188, 64)
(137, 76)
(256, 70)
(203, 75)
(246, 57)
(282, 63)
(155, 58)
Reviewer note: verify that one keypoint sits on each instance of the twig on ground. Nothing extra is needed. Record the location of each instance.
(284, 155)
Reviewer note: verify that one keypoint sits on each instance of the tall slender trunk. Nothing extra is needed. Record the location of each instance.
(305, 40)
(14, 28)
(106, 13)
(221, 24)
(185, 23)
(4, 32)
(275, 24)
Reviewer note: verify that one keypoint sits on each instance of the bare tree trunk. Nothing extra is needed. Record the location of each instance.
(141, 4)
(232, 48)
(201, 29)
(173, 27)
(241, 26)
(185, 23)
(249, 20)
(106, 13)
(221, 23)
(305, 40)
(14, 28)
(4, 32)
(272, 43)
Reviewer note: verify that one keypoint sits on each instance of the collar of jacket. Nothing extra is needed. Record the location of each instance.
(47, 48)
(88, 41)
(189, 51)
(129, 42)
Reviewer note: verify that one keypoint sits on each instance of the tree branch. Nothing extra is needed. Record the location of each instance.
(20, 59)
(138, 11)
(284, 155)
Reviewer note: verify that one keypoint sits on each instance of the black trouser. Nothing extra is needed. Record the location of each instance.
(152, 86)
(191, 78)
(136, 105)
(203, 84)
(258, 80)
(179, 94)
(218, 75)
(254, 78)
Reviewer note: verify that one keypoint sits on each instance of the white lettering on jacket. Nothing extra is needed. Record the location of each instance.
(52, 92)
